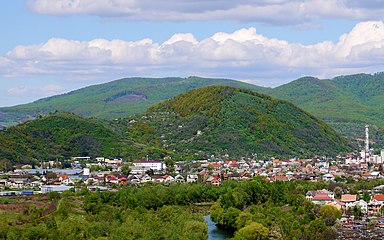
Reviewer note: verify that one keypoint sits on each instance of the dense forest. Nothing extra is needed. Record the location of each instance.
(252, 209)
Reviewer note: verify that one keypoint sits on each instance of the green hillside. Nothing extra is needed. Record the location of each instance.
(213, 120)
(62, 135)
(347, 103)
(116, 99)
(219, 120)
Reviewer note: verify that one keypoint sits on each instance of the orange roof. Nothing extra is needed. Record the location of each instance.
(215, 165)
(378, 197)
(230, 162)
(63, 176)
(348, 198)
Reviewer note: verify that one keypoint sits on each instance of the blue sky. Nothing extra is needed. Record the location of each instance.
(50, 47)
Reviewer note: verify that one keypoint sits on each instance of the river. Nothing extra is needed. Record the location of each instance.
(215, 233)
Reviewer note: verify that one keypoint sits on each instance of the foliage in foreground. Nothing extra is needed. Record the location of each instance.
(252, 209)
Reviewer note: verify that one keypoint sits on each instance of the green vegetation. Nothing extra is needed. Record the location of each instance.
(278, 210)
(347, 103)
(252, 209)
(220, 120)
(199, 123)
(61, 135)
(116, 99)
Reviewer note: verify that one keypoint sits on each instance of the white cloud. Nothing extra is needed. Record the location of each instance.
(243, 54)
(269, 11)
(48, 90)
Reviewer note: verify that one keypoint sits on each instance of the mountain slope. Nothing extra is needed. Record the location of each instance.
(62, 135)
(347, 103)
(219, 120)
(120, 98)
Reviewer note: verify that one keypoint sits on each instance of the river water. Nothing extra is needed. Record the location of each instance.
(215, 233)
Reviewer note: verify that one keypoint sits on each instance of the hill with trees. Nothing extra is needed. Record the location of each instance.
(347, 103)
(219, 120)
(59, 136)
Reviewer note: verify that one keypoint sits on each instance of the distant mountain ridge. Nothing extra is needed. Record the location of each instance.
(116, 99)
(347, 103)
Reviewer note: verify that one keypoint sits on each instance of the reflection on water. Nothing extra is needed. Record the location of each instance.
(215, 233)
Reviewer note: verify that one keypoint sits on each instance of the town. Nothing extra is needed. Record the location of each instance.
(362, 207)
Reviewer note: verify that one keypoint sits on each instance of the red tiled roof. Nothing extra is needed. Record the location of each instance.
(321, 197)
(378, 197)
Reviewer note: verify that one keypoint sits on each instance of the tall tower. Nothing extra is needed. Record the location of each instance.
(367, 156)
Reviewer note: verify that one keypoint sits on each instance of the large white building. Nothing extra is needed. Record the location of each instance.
(155, 165)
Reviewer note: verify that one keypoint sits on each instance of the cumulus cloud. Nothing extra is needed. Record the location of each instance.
(48, 90)
(243, 54)
(269, 11)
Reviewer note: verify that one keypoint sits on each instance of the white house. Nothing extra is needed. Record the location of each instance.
(179, 178)
(192, 178)
(155, 165)
(328, 177)
(363, 205)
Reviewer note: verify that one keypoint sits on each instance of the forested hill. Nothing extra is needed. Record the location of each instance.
(116, 99)
(219, 120)
(59, 136)
(347, 103)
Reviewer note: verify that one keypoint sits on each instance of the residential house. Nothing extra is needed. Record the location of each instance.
(375, 204)
(349, 200)
(192, 178)
(289, 175)
(337, 204)
(214, 180)
(321, 199)
(363, 205)
(328, 177)
(179, 178)
(168, 178)
(145, 178)
(155, 165)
